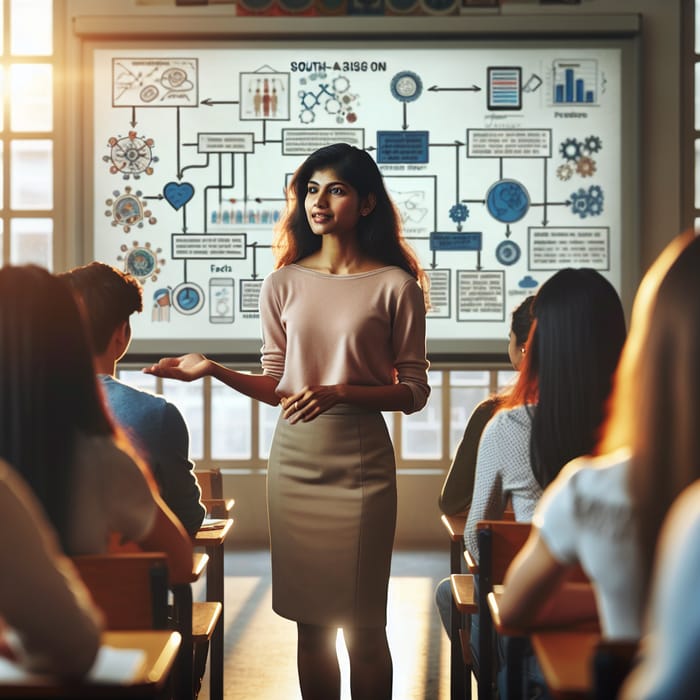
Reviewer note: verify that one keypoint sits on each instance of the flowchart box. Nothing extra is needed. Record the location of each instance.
(208, 246)
(402, 147)
(208, 142)
(455, 240)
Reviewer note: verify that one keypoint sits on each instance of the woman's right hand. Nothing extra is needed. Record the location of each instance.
(186, 368)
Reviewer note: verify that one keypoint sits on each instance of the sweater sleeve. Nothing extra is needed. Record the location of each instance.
(274, 347)
(408, 335)
(456, 494)
(180, 488)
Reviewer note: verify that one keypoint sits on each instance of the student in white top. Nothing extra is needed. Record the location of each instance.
(606, 512)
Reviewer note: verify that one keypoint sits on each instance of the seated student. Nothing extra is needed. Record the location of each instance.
(56, 432)
(605, 512)
(556, 406)
(48, 623)
(109, 297)
(670, 647)
(456, 493)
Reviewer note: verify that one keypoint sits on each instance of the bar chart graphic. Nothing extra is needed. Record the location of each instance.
(575, 82)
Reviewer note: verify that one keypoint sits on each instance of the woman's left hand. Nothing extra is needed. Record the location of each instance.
(310, 402)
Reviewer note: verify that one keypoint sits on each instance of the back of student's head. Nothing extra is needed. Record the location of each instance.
(656, 406)
(571, 355)
(109, 297)
(48, 390)
(521, 320)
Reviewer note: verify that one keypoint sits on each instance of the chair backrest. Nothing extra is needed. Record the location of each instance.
(502, 540)
(130, 589)
(211, 483)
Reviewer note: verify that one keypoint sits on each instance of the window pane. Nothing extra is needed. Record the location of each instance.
(31, 93)
(31, 241)
(231, 423)
(31, 165)
(506, 378)
(421, 435)
(31, 27)
(2, 157)
(463, 400)
(697, 26)
(2, 90)
(189, 398)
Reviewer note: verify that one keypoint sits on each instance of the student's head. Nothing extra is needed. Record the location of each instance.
(379, 230)
(656, 403)
(570, 358)
(109, 297)
(48, 390)
(520, 324)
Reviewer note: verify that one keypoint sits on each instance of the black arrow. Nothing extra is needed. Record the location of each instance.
(190, 167)
(177, 122)
(473, 88)
(260, 200)
(153, 196)
(478, 260)
(404, 126)
(474, 201)
(133, 116)
(508, 232)
(209, 102)
(433, 263)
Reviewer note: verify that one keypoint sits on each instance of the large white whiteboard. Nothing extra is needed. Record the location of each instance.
(506, 165)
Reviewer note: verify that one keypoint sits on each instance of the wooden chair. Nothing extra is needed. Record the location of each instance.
(212, 485)
(499, 541)
(132, 590)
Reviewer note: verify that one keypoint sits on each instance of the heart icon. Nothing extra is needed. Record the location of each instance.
(178, 194)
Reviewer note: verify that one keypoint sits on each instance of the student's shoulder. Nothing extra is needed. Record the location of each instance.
(118, 390)
(603, 477)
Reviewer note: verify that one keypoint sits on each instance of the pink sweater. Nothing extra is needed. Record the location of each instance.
(363, 329)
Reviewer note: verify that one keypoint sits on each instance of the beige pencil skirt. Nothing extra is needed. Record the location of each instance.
(332, 516)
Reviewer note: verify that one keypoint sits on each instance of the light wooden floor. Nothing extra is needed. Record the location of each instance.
(260, 647)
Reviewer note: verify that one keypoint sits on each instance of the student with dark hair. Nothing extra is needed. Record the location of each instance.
(557, 405)
(343, 319)
(56, 432)
(154, 425)
(606, 512)
(456, 493)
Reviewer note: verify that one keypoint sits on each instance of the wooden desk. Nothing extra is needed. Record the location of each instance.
(161, 648)
(213, 543)
(565, 658)
(564, 653)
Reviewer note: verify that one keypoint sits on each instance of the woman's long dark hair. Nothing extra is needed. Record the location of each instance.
(48, 387)
(379, 233)
(570, 360)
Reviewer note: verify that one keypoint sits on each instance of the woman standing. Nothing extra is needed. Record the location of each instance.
(343, 320)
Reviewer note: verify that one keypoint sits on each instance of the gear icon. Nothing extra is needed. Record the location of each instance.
(595, 192)
(459, 213)
(570, 150)
(565, 171)
(593, 144)
(585, 166)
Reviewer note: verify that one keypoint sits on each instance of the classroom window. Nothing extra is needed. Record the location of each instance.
(27, 217)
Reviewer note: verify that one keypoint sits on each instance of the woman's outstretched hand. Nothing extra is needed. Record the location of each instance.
(186, 368)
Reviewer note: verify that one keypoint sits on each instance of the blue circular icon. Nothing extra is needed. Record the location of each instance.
(406, 86)
(507, 252)
(507, 201)
(188, 298)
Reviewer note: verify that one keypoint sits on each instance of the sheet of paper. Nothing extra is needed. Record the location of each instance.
(111, 666)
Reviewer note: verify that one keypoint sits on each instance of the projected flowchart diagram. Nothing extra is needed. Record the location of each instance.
(504, 166)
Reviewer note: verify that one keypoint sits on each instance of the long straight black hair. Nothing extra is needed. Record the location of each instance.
(48, 386)
(570, 359)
